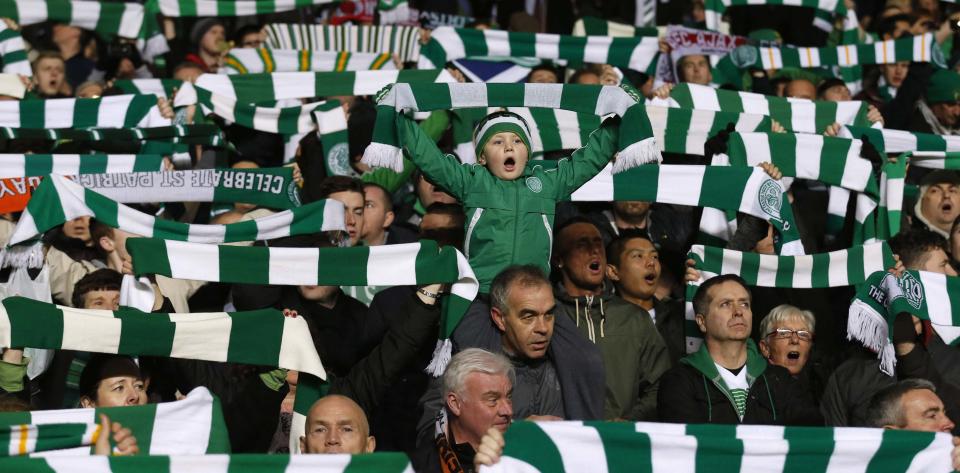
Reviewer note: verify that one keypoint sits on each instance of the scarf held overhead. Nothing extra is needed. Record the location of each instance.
(404, 41)
(921, 48)
(252, 60)
(379, 462)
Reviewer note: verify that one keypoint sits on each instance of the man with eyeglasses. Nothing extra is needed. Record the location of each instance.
(728, 381)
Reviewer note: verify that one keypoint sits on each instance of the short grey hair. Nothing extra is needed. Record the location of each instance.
(524, 275)
(885, 407)
(784, 312)
(474, 360)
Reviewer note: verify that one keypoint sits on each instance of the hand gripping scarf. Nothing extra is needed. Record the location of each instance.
(848, 267)
(928, 296)
(252, 60)
(637, 145)
(447, 44)
(610, 447)
(191, 426)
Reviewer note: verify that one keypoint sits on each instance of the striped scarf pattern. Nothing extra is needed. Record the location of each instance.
(58, 199)
(840, 268)
(404, 41)
(26, 439)
(748, 190)
(252, 61)
(447, 44)
(637, 145)
(715, 9)
(379, 462)
(127, 20)
(191, 426)
(30, 165)
(159, 87)
(285, 118)
(935, 159)
(388, 265)
(118, 111)
(921, 48)
(928, 296)
(797, 115)
(191, 8)
(13, 52)
(209, 135)
(899, 141)
(261, 337)
(601, 447)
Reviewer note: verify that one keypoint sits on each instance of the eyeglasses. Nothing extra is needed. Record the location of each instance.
(785, 333)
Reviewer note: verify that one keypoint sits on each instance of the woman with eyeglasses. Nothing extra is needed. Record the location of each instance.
(787, 337)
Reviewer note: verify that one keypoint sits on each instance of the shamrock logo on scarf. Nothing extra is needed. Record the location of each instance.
(771, 198)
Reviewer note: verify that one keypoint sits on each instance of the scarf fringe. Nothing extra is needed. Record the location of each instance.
(441, 358)
(867, 326)
(380, 155)
(637, 154)
(23, 256)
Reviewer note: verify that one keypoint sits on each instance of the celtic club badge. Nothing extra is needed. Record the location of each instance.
(534, 184)
(771, 198)
(338, 160)
(912, 290)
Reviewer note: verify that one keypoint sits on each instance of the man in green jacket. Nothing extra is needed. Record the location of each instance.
(634, 353)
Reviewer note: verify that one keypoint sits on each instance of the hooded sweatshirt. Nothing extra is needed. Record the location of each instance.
(694, 392)
(634, 353)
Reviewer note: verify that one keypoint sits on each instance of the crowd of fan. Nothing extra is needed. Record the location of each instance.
(596, 332)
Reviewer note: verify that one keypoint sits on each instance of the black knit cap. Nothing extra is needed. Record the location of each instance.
(103, 366)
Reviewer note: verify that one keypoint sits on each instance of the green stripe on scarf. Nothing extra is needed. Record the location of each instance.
(191, 426)
(835, 269)
(159, 87)
(447, 44)
(403, 41)
(922, 48)
(379, 462)
(189, 8)
(29, 165)
(128, 20)
(250, 61)
(13, 54)
(117, 111)
(899, 141)
(58, 199)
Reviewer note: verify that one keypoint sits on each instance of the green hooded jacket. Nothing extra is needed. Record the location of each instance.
(508, 222)
(703, 362)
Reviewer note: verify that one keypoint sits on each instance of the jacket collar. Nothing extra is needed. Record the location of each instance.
(703, 362)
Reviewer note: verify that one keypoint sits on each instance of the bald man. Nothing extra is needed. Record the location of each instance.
(337, 424)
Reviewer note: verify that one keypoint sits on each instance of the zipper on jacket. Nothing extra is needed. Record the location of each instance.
(730, 398)
(473, 224)
(516, 219)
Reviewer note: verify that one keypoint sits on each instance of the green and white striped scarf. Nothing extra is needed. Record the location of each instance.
(159, 87)
(387, 265)
(747, 190)
(637, 145)
(191, 426)
(29, 165)
(797, 115)
(251, 61)
(268, 187)
(593, 26)
(379, 462)
(898, 141)
(447, 44)
(13, 53)
(332, 129)
(59, 199)
(188, 8)
(847, 267)
(921, 48)
(684, 130)
(715, 9)
(127, 20)
(289, 120)
(260, 337)
(117, 111)
(602, 447)
(935, 159)
(208, 135)
(928, 296)
(26, 439)
(404, 41)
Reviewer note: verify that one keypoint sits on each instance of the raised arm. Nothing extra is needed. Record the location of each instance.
(444, 170)
(586, 162)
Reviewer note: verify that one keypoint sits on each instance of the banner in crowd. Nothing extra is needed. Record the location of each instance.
(252, 61)
(797, 115)
(15, 192)
(920, 48)
(926, 295)
(636, 145)
(849, 267)
(447, 44)
(685, 41)
(404, 41)
(117, 111)
(272, 188)
(600, 447)
(747, 190)
(193, 425)
(259, 337)
(378, 462)
(59, 199)
(13, 52)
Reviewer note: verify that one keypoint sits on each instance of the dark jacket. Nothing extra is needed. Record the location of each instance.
(634, 354)
(691, 393)
(669, 317)
(849, 389)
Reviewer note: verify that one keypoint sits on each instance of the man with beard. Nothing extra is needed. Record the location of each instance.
(727, 381)
(634, 355)
(633, 265)
(939, 203)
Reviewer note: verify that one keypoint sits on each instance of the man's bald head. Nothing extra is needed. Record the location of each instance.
(337, 424)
